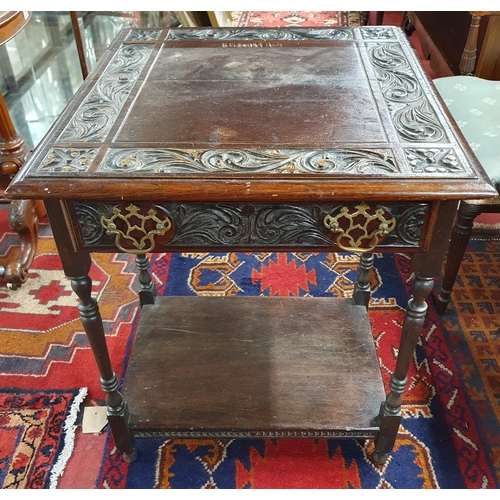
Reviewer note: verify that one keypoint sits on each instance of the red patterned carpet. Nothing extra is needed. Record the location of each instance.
(297, 18)
(36, 429)
(45, 360)
(450, 432)
(449, 438)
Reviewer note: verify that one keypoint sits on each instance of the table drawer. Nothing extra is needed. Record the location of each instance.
(141, 227)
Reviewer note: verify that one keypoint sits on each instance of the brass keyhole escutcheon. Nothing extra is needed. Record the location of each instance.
(359, 230)
(134, 232)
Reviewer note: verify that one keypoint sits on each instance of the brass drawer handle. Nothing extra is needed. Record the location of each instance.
(136, 233)
(357, 228)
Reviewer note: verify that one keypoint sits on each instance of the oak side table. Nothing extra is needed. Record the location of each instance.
(313, 139)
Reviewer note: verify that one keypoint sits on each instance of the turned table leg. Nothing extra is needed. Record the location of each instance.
(146, 289)
(427, 265)
(362, 292)
(117, 408)
(390, 410)
(76, 267)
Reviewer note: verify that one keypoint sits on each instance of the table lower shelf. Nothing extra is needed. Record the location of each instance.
(253, 367)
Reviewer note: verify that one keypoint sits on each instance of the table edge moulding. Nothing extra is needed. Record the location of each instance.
(286, 366)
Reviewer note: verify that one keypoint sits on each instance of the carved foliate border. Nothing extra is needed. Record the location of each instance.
(68, 160)
(377, 33)
(268, 34)
(326, 161)
(411, 113)
(99, 110)
(341, 33)
(249, 225)
(426, 162)
(434, 161)
(143, 35)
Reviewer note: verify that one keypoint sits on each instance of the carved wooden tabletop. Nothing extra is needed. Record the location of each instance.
(244, 114)
(254, 140)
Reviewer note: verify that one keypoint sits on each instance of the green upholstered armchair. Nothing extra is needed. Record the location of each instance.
(475, 105)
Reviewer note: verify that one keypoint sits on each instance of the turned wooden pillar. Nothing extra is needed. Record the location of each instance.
(468, 60)
(362, 292)
(13, 151)
(426, 266)
(23, 217)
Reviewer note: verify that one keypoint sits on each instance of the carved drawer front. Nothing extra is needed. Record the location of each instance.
(142, 227)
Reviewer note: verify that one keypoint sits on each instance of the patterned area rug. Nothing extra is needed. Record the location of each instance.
(36, 435)
(41, 336)
(46, 366)
(450, 432)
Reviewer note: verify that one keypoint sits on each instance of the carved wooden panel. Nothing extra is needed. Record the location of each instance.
(325, 161)
(278, 114)
(99, 110)
(248, 226)
(261, 34)
(333, 434)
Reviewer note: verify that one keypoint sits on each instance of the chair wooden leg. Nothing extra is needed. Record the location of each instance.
(23, 219)
(460, 236)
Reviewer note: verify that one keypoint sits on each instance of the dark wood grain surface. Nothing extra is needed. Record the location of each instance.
(241, 364)
(321, 139)
(254, 114)
(277, 97)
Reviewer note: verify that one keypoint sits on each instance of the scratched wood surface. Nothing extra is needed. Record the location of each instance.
(296, 114)
(253, 363)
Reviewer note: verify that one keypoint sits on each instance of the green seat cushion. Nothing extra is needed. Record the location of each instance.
(475, 105)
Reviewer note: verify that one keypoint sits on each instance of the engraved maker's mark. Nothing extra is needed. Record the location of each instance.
(250, 45)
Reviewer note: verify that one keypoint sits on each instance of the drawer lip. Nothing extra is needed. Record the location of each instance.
(250, 226)
(250, 188)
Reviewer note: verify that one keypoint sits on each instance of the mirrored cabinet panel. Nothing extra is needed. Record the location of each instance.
(40, 68)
